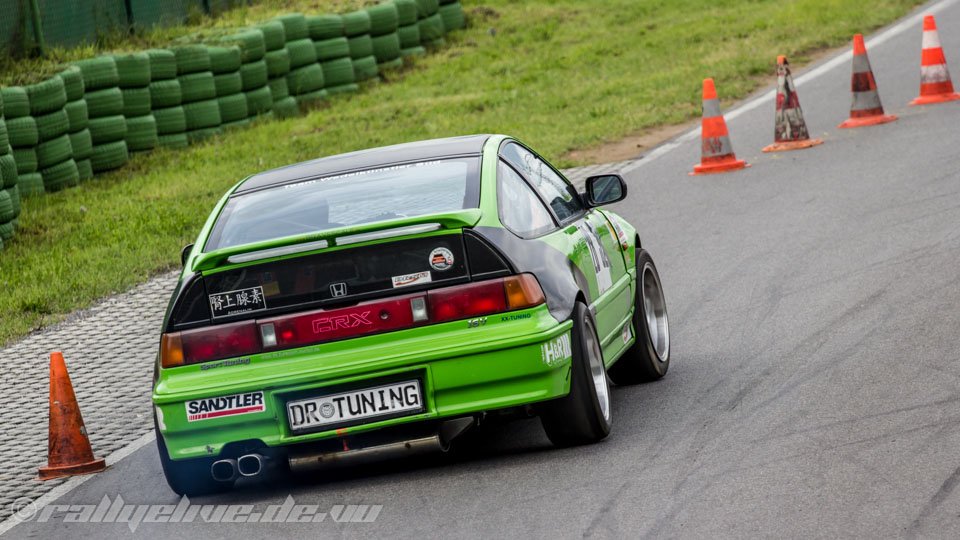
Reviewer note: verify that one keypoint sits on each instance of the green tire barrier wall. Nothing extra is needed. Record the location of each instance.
(89, 117)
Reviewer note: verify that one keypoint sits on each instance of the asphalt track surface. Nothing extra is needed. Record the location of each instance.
(815, 385)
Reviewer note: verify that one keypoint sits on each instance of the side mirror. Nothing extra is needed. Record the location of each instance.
(185, 254)
(605, 189)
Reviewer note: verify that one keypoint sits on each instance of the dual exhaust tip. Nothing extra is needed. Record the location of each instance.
(228, 470)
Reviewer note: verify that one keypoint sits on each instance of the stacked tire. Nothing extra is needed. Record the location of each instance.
(108, 126)
(54, 151)
(356, 26)
(333, 53)
(78, 121)
(253, 71)
(9, 194)
(305, 80)
(384, 22)
(431, 23)
(134, 74)
(451, 11)
(198, 91)
(166, 99)
(277, 60)
(23, 137)
(409, 29)
(225, 64)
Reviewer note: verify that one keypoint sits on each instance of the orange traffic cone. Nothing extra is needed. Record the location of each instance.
(866, 109)
(935, 83)
(715, 149)
(789, 130)
(68, 450)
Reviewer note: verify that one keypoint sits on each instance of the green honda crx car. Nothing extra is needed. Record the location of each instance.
(383, 302)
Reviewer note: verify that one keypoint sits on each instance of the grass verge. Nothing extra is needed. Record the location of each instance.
(561, 74)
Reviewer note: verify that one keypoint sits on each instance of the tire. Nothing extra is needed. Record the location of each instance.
(278, 89)
(583, 415)
(312, 98)
(239, 124)
(52, 125)
(191, 59)
(141, 133)
(77, 115)
(73, 83)
(22, 132)
(648, 359)
(413, 51)
(202, 114)
(4, 138)
(199, 135)
(14, 193)
(170, 121)
(197, 87)
(338, 72)
(431, 29)
(98, 73)
(302, 53)
(361, 46)
(136, 101)
(54, 152)
(453, 18)
(356, 23)
(104, 102)
(278, 62)
(294, 26)
(274, 35)
(165, 93)
(259, 101)
(177, 141)
(6, 207)
(104, 130)
(366, 68)
(342, 89)
(224, 59)
(409, 36)
(253, 75)
(406, 12)
(384, 18)
(46, 96)
(163, 65)
(16, 104)
(396, 63)
(332, 49)
(7, 231)
(305, 80)
(82, 144)
(85, 169)
(25, 159)
(426, 8)
(109, 156)
(61, 176)
(30, 184)
(286, 108)
(9, 171)
(386, 48)
(188, 477)
(133, 69)
(322, 27)
(233, 108)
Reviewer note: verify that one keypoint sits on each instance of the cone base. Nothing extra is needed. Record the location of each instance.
(718, 167)
(868, 121)
(937, 98)
(59, 471)
(792, 145)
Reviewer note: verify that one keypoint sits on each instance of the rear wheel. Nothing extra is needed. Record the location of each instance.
(649, 357)
(188, 477)
(583, 415)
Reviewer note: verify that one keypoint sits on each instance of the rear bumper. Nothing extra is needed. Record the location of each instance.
(462, 370)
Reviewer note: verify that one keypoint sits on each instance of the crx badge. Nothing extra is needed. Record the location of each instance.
(338, 289)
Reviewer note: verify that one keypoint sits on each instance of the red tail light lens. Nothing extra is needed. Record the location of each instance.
(206, 344)
(467, 301)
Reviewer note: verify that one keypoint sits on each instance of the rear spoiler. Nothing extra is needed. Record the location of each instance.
(337, 237)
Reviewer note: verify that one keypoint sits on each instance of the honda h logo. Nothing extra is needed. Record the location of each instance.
(338, 289)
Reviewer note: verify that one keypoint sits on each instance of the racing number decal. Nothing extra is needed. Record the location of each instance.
(601, 262)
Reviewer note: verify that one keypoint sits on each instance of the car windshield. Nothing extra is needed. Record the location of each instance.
(393, 192)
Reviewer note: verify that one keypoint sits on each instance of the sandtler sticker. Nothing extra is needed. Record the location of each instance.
(204, 409)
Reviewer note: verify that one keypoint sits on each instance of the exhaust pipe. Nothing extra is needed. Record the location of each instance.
(224, 470)
(319, 460)
(250, 464)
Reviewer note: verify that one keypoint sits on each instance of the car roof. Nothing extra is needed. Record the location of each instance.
(364, 159)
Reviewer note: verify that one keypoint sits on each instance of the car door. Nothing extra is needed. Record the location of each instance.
(593, 247)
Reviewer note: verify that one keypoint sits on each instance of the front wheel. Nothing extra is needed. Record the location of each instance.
(583, 415)
(648, 359)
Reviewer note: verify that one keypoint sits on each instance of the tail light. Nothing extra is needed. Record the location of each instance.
(436, 306)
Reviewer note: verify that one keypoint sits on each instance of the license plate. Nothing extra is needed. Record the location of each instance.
(356, 405)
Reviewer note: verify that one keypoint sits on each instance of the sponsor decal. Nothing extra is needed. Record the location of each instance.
(411, 279)
(204, 409)
(601, 263)
(621, 236)
(441, 259)
(627, 333)
(239, 301)
(556, 351)
(338, 289)
(337, 322)
(517, 317)
(225, 363)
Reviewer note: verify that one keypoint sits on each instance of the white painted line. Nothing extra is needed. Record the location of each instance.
(835, 62)
(77, 481)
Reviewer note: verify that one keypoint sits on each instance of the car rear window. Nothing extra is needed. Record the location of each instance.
(318, 204)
